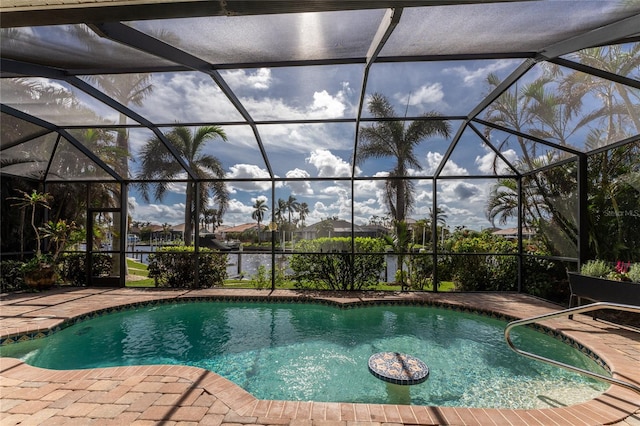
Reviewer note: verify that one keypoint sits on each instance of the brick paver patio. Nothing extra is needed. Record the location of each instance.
(177, 395)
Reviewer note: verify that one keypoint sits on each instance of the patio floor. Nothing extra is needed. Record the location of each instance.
(175, 395)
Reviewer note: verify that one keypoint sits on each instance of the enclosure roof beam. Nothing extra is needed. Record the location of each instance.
(388, 23)
(79, 146)
(606, 75)
(611, 33)
(530, 137)
(131, 37)
(494, 149)
(17, 13)
(27, 69)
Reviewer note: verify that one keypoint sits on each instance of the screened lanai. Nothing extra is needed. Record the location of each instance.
(330, 119)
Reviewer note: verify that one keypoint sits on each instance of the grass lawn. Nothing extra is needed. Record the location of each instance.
(139, 270)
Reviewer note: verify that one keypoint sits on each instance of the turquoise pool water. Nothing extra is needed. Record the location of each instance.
(320, 353)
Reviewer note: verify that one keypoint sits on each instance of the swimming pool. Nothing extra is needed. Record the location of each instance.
(317, 352)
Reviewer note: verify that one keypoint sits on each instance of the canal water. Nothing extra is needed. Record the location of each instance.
(246, 264)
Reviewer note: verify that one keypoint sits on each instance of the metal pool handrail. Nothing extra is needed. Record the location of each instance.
(571, 311)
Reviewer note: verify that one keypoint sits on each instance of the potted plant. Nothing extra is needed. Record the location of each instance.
(600, 281)
(41, 270)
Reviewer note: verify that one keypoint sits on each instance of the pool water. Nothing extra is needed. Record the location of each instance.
(320, 353)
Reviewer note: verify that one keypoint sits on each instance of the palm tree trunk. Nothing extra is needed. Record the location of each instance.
(188, 215)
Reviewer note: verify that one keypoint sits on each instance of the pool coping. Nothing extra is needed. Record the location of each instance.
(615, 347)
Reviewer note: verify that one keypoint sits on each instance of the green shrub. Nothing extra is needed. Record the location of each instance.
(260, 279)
(596, 268)
(479, 271)
(174, 266)
(634, 273)
(11, 276)
(334, 267)
(542, 277)
(421, 271)
(73, 267)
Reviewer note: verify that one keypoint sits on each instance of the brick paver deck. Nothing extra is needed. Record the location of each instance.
(177, 395)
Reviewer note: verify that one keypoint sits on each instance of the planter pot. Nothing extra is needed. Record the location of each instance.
(43, 278)
(603, 290)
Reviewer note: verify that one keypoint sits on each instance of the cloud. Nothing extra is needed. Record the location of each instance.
(465, 191)
(450, 169)
(299, 187)
(206, 101)
(458, 191)
(328, 164)
(426, 94)
(322, 106)
(471, 77)
(259, 80)
(157, 213)
(327, 105)
(248, 171)
(487, 162)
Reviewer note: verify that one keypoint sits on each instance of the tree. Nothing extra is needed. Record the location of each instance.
(391, 138)
(292, 206)
(32, 201)
(303, 211)
(127, 89)
(159, 164)
(400, 241)
(259, 209)
(552, 107)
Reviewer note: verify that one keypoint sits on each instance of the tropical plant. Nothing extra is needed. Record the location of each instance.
(60, 235)
(400, 241)
(159, 164)
(303, 211)
(32, 201)
(259, 209)
(553, 107)
(391, 138)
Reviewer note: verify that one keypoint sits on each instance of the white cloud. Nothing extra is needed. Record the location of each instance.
(259, 197)
(328, 164)
(206, 101)
(299, 187)
(259, 80)
(450, 169)
(426, 94)
(327, 105)
(471, 77)
(157, 213)
(487, 162)
(248, 171)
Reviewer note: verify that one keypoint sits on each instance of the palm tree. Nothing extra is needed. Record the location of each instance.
(158, 163)
(127, 89)
(390, 138)
(259, 209)
(303, 211)
(209, 216)
(292, 206)
(281, 210)
(441, 216)
(400, 241)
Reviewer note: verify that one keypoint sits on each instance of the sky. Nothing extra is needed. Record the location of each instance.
(315, 150)
(325, 150)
